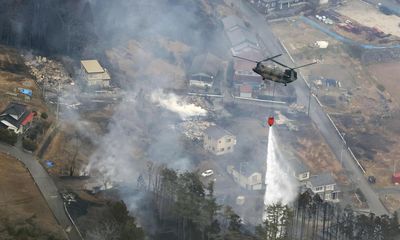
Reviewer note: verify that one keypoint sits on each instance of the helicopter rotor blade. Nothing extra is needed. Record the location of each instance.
(283, 65)
(246, 59)
(270, 58)
(305, 65)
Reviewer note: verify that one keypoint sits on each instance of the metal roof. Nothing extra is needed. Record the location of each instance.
(231, 22)
(92, 66)
(246, 89)
(205, 64)
(14, 109)
(216, 132)
(239, 35)
(322, 180)
(298, 166)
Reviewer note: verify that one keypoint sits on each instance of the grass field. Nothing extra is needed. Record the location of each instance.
(20, 199)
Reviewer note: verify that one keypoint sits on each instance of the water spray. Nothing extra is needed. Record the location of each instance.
(280, 185)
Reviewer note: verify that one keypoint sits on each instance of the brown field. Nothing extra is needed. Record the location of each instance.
(334, 62)
(387, 74)
(377, 151)
(391, 201)
(20, 198)
(315, 153)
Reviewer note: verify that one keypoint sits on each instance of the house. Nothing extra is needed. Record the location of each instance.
(245, 91)
(238, 35)
(247, 177)
(243, 70)
(325, 186)
(299, 169)
(277, 5)
(241, 39)
(94, 74)
(218, 140)
(15, 117)
(204, 69)
(232, 22)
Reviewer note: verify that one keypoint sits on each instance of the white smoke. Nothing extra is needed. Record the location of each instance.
(176, 104)
(281, 186)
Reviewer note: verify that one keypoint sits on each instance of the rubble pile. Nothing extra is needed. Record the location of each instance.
(48, 73)
(194, 129)
(201, 102)
(297, 108)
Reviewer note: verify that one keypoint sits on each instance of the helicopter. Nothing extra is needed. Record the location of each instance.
(275, 74)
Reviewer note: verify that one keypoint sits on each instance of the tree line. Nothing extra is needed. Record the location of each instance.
(185, 209)
(50, 26)
(312, 218)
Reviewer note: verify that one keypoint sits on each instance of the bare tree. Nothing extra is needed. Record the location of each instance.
(106, 230)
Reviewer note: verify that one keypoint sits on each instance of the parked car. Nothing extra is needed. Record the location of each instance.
(371, 179)
(207, 173)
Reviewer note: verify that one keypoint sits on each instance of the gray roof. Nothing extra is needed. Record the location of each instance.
(322, 179)
(16, 109)
(298, 166)
(230, 22)
(248, 168)
(239, 36)
(207, 64)
(216, 132)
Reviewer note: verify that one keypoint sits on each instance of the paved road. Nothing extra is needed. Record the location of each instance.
(46, 186)
(317, 114)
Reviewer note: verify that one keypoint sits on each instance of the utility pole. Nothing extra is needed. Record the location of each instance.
(309, 101)
(240, 170)
(58, 100)
(341, 152)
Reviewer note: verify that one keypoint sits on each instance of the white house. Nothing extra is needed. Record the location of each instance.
(94, 74)
(218, 140)
(324, 185)
(247, 178)
(203, 71)
(299, 169)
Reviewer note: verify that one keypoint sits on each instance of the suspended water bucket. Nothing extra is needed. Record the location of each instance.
(271, 121)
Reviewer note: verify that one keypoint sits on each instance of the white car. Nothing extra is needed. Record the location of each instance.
(207, 173)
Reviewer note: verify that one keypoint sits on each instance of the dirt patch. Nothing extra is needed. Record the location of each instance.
(69, 151)
(387, 74)
(391, 202)
(20, 198)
